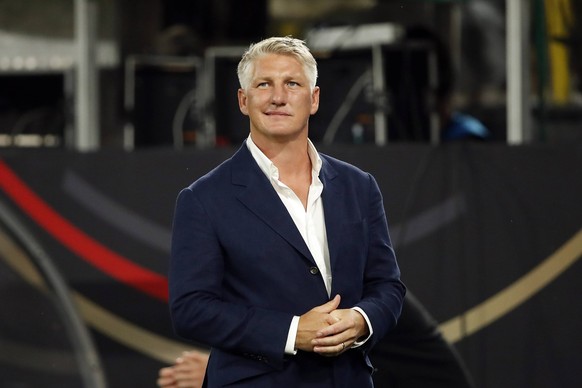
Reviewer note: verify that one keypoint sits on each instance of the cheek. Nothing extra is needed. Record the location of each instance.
(255, 101)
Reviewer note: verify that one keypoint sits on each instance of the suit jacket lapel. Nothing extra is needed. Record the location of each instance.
(260, 198)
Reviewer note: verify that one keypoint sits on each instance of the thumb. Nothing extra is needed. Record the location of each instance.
(329, 306)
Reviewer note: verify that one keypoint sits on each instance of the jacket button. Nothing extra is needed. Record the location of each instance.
(314, 270)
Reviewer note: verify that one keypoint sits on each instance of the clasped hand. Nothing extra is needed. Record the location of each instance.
(330, 331)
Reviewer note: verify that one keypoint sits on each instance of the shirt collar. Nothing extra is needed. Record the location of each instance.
(269, 168)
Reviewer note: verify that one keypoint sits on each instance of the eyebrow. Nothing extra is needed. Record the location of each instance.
(291, 77)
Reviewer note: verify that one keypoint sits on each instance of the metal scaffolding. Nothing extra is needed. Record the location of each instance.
(518, 87)
(86, 129)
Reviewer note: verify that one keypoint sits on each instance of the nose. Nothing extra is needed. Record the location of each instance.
(279, 95)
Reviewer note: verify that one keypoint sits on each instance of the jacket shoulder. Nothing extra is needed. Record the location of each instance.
(342, 167)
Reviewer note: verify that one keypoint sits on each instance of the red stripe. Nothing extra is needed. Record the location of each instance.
(89, 249)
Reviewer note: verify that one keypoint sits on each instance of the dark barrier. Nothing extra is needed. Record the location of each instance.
(488, 238)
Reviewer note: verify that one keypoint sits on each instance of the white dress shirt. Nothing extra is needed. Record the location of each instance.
(309, 221)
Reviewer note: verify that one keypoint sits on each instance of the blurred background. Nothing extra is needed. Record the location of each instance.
(406, 63)
(468, 112)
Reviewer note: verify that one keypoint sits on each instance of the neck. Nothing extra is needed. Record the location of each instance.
(290, 156)
(293, 162)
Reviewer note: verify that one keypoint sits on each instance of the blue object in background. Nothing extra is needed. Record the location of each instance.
(463, 126)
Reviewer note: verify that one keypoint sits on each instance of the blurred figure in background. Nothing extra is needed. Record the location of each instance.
(415, 354)
(187, 372)
(454, 125)
(178, 40)
(482, 72)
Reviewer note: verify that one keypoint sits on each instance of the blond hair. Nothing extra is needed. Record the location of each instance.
(277, 45)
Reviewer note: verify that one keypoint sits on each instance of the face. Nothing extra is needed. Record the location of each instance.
(279, 99)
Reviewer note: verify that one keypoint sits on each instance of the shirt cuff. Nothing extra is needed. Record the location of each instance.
(360, 343)
(290, 344)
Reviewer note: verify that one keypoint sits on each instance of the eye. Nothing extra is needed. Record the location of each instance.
(262, 85)
(292, 84)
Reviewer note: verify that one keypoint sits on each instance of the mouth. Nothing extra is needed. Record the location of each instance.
(277, 113)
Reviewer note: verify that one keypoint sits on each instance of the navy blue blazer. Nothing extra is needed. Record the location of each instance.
(240, 270)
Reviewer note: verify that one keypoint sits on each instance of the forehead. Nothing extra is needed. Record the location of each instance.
(277, 64)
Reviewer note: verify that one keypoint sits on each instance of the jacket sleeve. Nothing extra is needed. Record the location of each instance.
(198, 309)
(383, 292)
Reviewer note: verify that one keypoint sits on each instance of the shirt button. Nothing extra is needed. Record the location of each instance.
(314, 270)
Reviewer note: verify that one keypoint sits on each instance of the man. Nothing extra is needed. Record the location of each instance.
(281, 258)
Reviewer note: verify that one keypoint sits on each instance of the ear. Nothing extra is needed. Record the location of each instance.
(242, 102)
(315, 100)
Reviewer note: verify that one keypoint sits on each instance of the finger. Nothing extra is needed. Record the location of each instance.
(166, 372)
(187, 384)
(193, 356)
(333, 335)
(190, 380)
(333, 329)
(329, 306)
(331, 320)
(167, 385)
(185, 369)
(166, 382)
(332, 350)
